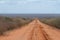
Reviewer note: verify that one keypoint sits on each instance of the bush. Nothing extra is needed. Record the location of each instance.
(52, 21)
(7, 23)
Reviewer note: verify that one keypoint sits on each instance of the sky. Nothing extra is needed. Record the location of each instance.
(29, 6)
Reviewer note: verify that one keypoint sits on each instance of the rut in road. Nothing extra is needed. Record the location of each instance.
(35, 30)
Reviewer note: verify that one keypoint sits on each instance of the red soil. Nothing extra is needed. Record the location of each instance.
(33, 31)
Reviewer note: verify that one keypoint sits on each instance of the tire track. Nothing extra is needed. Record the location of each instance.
(33, 31)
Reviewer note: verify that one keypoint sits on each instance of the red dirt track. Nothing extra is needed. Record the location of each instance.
(35, 30)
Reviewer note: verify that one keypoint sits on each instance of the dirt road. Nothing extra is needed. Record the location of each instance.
(33, 31)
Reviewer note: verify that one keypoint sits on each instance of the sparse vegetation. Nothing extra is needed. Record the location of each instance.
(55, 22)
(7, 23)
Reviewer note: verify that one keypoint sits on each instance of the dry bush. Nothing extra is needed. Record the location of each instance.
(7, 23)
(52, 21)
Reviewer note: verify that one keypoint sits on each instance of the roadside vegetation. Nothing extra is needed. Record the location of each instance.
(55, 22)
(8, 23)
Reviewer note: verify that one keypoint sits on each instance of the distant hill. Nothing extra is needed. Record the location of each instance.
(31, 15)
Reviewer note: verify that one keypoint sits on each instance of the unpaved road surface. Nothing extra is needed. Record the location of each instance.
(33, 31)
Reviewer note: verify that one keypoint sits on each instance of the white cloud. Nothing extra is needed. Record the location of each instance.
(18, 2)
(13, 2)
(52, 1)
(2, 1)
(21, 2)
(32, 0)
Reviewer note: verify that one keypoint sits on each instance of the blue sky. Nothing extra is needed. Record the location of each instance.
(29, 6)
